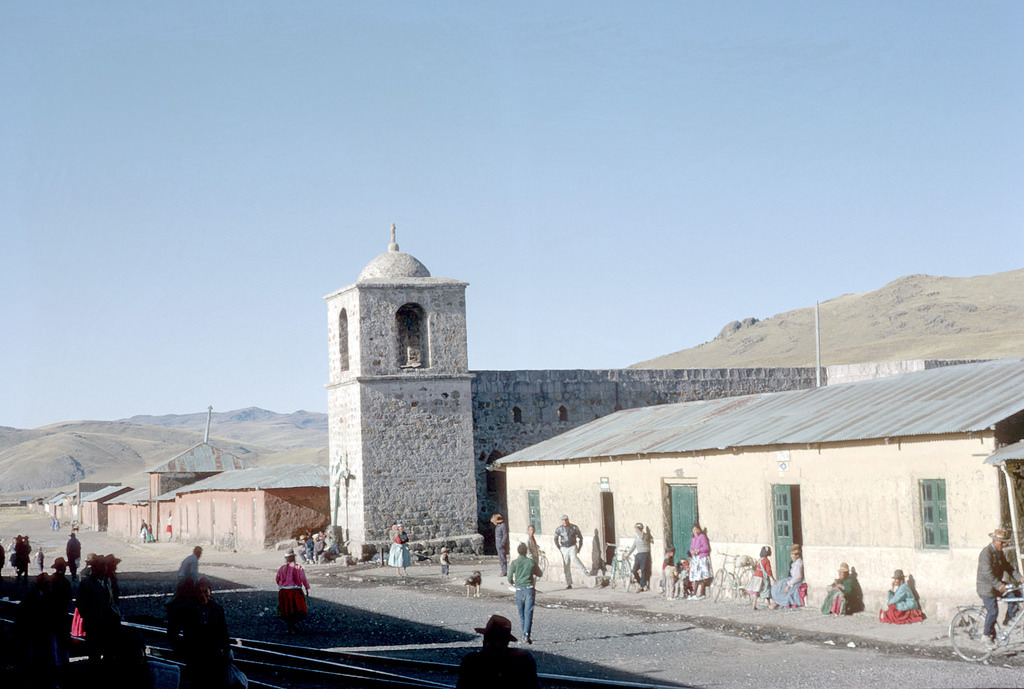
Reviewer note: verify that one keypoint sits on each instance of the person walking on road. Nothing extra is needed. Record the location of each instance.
(291, 598)
(74, 552)
(522, 574)
(190, 565)
(992, 566)
(569, 540)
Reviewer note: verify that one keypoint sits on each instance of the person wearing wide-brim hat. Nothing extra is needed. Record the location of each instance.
(992, 567)
(902, 606)
(98, 606)
(292, 590)
(495, 659)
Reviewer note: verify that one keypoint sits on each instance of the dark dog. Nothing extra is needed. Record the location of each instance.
(473, 584)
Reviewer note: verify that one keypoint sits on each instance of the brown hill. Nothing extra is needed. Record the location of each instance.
(56, 457)
(914, 317)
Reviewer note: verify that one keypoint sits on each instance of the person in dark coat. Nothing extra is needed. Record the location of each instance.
(495, 665)
(98, 606)
(22, 555)
(61, 597)
(198, 631)
(74, 551)
(501, 542)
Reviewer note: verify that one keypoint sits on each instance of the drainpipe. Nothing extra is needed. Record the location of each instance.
(1012, 499)
(817, 348)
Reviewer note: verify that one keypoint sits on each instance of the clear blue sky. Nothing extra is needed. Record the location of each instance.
(182, 182)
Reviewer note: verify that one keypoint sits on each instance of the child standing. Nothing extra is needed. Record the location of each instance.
(445, 564)
(763, 570)
(39, 558)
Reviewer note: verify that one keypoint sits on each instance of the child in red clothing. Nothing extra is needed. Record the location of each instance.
(763, 570)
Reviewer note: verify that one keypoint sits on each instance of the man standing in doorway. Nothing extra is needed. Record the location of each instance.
(992, 565)
(569, 540)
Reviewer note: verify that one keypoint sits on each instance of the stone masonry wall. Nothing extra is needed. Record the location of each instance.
(418, 461)
(588, 395)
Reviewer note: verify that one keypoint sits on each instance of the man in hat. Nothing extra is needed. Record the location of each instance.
(61, 597)
(98, 605)
(495, 665)
(569, 540)
(992, 566)
(501, 542)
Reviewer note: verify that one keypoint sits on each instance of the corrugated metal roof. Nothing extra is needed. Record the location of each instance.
(1014, 452)
(139, 496)
(103, 493)
(952, 399)
(56, 498)
(201, 457)
(260, 478)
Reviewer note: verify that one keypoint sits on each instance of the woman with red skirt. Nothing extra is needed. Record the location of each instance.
(293, 587)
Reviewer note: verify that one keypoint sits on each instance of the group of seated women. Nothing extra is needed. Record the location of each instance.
(844, 595)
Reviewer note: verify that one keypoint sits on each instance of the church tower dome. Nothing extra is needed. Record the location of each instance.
(393, 265)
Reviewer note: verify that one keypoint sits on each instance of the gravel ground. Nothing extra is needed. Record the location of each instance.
(366, 609)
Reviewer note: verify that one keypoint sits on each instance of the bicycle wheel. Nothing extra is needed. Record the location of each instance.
(614, 581)
(626, 574)
(967, 634)
(743, 582)
(721, 586)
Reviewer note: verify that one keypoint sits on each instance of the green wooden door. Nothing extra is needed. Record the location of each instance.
(533, 508)
(683, 500)
(786, 519)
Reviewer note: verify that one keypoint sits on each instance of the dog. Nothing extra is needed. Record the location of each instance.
(473, 584)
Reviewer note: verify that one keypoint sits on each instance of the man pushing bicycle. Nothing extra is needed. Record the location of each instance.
(992, 567)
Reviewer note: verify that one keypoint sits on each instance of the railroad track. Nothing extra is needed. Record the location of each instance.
(271, 665)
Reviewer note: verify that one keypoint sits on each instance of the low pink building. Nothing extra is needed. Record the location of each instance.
(249, 509)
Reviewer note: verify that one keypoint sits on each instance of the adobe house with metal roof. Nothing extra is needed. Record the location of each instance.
(127, 511)
(201, 461)
(881, 474)
(251, 508)
(94, 506)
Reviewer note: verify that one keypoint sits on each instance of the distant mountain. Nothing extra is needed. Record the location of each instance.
(914, 317)
(57, 456)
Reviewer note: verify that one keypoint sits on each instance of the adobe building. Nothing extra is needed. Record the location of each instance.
(249, 509)
(198, 462)
(882, 474)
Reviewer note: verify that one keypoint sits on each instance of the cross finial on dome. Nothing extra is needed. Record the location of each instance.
(393, 246)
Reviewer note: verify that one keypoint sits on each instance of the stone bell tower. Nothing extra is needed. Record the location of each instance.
(399, 405)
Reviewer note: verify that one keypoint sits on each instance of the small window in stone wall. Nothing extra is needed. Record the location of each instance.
(343, 339)
(411, 324)
(517, 415)
(563, 414)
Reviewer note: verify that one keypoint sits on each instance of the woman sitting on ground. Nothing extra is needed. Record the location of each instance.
(902, 607)
(844, 596)
(786, 592)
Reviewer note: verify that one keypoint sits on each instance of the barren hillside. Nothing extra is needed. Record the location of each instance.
(914, 317)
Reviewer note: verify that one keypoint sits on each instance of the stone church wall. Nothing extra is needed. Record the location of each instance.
(587, 395)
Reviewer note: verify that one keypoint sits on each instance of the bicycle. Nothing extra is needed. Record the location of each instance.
(622, 570)
(542, 560)
(967, 631)
(733, 577)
